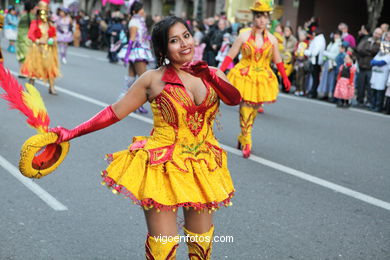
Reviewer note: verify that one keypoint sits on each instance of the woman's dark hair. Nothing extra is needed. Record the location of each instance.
(136, 7)
(332, 39)
(200, 25)
(160, 37)
(255, 13)
(290, 28)
(28, 6)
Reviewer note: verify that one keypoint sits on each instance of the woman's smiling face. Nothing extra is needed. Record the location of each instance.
(180, 44)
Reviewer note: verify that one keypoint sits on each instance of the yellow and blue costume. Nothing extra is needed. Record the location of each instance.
(181, 163)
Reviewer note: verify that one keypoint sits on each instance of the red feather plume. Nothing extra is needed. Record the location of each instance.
(14, 95)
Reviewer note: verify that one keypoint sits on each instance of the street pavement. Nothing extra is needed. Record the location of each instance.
(316, 187)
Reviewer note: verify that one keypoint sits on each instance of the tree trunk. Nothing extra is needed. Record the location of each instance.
(374, 9)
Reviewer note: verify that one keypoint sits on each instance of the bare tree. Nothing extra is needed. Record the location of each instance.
(374, 9)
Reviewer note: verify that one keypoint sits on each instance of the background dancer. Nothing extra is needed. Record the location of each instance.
(64, 27)
(42, 58)
(138, 53)
(253, 76)
(23, 43)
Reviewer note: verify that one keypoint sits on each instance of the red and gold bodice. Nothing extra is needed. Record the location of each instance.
(182, 130)
(255, 60)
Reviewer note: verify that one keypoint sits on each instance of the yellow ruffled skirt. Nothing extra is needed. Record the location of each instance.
(256, 87)
(41, 62)
(165, 186)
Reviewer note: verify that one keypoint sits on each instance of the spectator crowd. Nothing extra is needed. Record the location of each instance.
(338, 68)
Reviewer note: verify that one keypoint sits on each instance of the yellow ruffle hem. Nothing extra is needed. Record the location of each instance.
(41, 62)
(253, 76)
(181, 163)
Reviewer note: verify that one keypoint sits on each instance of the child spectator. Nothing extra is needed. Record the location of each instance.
(387, 104)
(328, 76)
(380, 72)
(198, 50)
(223, 51)
(300, 61)
(345, 87)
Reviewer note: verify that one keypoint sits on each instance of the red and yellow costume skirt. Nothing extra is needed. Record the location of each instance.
(167, 185)
(41, 62)
(257, 86)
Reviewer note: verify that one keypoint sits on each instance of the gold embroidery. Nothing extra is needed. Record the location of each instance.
(178, 94)
(168, 110)
(217, 151)
(193, 148)
(246, 50)
(195, 121)
(212, 97)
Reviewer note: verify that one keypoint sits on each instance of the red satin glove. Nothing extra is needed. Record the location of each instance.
(225, 64)
(104, 118)
(286, 81)
(37, 34)
(225, 91)
(51, 32)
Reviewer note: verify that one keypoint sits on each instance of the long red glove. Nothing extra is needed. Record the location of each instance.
(225, 91)
(104, 118)
(225, 64)
(286, 81)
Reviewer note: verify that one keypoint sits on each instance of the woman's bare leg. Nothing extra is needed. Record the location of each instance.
(51, 87)
(199, 232)
(161, 223)
(160, 242)
(140, 68)
(131, 70)
(198, 222)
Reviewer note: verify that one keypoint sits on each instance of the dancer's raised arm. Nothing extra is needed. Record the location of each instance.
(234, 50)
(134, 98)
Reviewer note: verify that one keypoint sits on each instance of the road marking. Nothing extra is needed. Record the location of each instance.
(35, 188)
(78, 54)
(257, 159)
(87, 56)
(312, 179)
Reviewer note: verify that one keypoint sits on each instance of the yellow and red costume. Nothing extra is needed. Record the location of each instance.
(181, 164)
(256, 81)
(42, 58)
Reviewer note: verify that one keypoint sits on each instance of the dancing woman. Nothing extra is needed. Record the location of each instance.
(64, 32)
(181, 164)
(42, 58)
(138, 53)
(253, 76)
(23, 43)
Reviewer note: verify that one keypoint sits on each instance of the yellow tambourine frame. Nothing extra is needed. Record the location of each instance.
(40, 155)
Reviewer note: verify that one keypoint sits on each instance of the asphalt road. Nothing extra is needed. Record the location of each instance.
(316, 187)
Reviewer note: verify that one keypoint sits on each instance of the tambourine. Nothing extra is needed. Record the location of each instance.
(40, 155)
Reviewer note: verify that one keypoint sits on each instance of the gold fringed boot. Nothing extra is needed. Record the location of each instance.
(247, 118)
(199, 245)
(159, 248)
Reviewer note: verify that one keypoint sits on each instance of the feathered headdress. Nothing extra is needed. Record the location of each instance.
(40, 155)
(29, 101)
